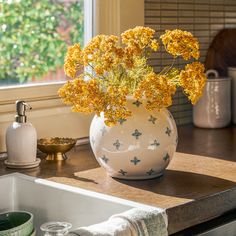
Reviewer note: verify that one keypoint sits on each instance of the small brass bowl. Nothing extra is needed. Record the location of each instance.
(55, 148)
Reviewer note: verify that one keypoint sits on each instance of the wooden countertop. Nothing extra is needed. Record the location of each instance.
(198, 185)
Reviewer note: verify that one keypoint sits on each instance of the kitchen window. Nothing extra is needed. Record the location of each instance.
(49, 116)
(34, 36)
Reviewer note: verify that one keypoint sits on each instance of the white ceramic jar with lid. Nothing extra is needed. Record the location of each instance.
(213, 110)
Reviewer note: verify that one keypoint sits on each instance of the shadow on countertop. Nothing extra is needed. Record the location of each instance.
(182, 184)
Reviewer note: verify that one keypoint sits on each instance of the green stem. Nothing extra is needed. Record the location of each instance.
(166, 69)
(103, 77)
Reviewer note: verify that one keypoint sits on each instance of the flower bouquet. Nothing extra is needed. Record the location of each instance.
(112, 78)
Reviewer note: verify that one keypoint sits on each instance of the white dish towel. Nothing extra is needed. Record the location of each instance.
(148, 221)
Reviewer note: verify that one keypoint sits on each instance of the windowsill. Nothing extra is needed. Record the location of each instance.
(40, 96)
(29, 92)
(31, 85)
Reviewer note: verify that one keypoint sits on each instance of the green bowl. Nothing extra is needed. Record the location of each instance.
(16, 223)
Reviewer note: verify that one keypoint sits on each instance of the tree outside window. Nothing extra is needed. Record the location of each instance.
(34, 36)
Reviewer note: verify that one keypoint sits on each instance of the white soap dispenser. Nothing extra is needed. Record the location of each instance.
(21, 140)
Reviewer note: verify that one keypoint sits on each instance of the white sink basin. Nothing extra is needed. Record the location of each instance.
(49, 201)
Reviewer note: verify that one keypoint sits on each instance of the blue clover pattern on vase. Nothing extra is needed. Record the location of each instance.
(140, 147)
(121, 121)
(103, 130)
(152, 119)
(168, 131)
(117, 144)
(166, 157)
(150, 172)
(136, 134)
(122, 172)
(137, 103)
(104, 158)
(155, 143)
(135, 160)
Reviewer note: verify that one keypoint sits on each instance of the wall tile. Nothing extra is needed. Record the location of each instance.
(204, 18)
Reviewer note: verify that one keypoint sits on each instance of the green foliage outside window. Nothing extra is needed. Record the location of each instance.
(34, 36)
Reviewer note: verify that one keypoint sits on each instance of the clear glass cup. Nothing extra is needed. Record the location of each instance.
(56, 228)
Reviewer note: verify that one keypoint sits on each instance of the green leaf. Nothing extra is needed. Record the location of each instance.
(37, 28)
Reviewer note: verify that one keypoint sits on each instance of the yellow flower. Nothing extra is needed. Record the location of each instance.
(181, 43)
(88, 97)
(193, 80)
(157, 89)
(73, 60)
(116, 105)
(99, 70)
(154, 45)
(83, 96)
(138, 38)
(102, 53)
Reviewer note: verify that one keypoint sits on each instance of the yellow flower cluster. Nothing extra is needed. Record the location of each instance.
(157, 89)
(122, 70)
(192, 79)
(87, 97)
(83, 96)
(138, 39)
(181, 43)
(102, 53)
(116, 107)
(73, 60)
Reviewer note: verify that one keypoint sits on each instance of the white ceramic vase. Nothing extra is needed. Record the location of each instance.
(140, 147)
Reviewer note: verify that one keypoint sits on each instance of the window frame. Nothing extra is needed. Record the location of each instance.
(102, 17)
(46, 92)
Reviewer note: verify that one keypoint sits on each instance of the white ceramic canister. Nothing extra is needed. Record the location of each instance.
(213, 110)
(232, 74)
